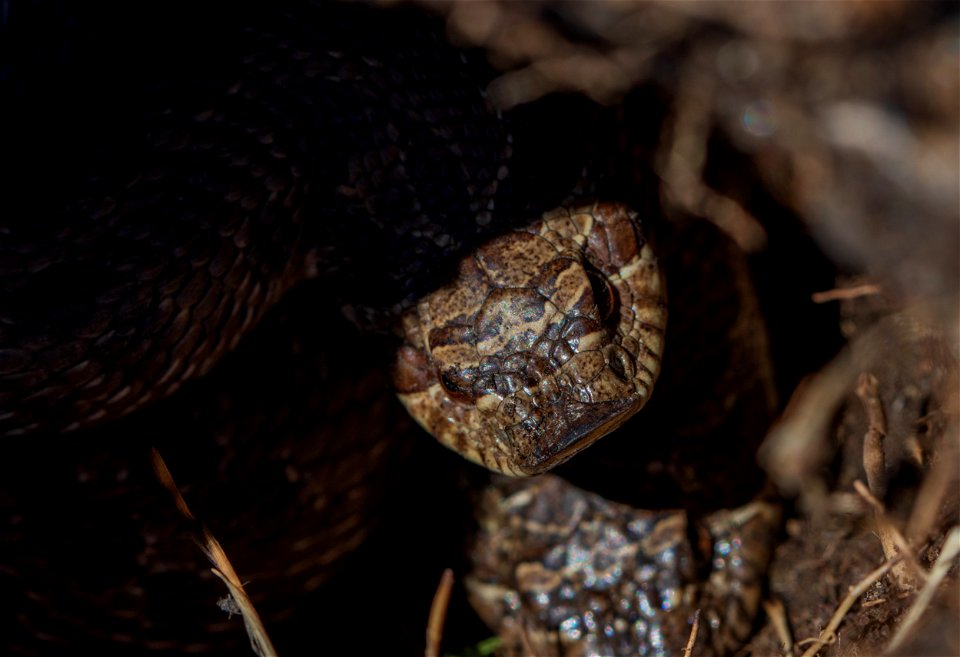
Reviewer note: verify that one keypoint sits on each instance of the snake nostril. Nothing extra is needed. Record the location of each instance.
(620, 362)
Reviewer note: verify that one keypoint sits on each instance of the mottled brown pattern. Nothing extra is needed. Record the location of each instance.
(549, 339)
(566, 572)
(614, 551)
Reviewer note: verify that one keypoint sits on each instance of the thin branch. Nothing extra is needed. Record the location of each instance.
(692, 640)
(893, 542)
(873, 455)
(828, 635)
(950, 550)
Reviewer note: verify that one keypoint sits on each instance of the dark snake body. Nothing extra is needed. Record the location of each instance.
(199, 181)
(301, 148)
(172, 173)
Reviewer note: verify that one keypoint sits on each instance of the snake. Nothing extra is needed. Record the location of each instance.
(327, 148)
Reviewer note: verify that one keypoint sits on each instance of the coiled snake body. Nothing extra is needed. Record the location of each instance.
(302, 143)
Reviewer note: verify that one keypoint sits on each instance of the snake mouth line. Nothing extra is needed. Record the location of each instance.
(582, 425)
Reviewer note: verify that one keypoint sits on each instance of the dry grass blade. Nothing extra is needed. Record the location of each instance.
(692, 640)
(844, 293)
(438, 613)
(951, 548)
(828, 635)
(259, 641)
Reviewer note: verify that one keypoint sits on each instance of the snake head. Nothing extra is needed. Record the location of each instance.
(548, 339)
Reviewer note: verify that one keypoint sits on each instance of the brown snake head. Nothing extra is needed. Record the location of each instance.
(547, 340)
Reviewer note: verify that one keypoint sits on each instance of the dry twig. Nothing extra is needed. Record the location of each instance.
(951, 548)
(794, 450)
(692, 640)
(681, 160)
(828, 635)
(844, 293)
(893, 542)
(873, 456)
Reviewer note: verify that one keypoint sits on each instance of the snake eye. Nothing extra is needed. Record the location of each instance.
(458, 383)
(603, 294)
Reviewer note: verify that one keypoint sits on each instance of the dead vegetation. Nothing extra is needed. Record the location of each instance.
(844, 117)
(237, 600)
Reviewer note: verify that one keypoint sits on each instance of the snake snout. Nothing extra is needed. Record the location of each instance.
(542, 441)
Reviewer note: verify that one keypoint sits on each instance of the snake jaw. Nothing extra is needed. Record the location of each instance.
(564, 430)
(548, 340)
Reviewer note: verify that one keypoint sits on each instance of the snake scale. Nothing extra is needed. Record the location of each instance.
(182, 188)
